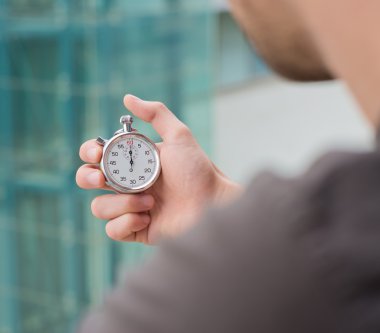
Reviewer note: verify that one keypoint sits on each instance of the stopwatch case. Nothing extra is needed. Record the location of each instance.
(116, 186)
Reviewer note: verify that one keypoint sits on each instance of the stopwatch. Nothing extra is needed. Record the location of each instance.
(130, 160)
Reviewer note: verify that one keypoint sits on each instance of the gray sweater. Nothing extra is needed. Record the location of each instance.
(290, 256)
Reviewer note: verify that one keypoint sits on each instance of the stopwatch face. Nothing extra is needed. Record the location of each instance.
(131, 163)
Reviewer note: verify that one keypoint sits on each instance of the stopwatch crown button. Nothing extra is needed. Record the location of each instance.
(127, 121)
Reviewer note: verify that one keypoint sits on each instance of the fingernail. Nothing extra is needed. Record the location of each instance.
(147, 200)
(93, 178)
(92, 154)
(134, 97)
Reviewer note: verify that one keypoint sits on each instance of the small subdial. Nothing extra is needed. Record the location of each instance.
(130, 152)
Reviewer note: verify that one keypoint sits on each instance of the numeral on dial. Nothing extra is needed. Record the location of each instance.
(131, 162)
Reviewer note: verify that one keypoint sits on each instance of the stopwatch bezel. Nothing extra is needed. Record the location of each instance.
(125, 189)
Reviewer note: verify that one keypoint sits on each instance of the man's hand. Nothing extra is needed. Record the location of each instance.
(188, 181)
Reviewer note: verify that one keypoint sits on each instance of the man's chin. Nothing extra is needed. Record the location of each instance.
(294, 61)
(302, 76)
(306, 72)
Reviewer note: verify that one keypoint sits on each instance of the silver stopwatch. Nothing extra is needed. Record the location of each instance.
(130, 161)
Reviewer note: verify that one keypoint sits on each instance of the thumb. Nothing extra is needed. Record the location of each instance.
(167, 125)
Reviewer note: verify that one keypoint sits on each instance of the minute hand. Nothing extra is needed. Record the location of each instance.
(131, 160)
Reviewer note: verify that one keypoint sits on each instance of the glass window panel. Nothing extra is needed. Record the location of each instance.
(64, 67)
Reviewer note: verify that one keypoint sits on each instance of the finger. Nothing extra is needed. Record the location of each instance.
(90, 177)
(123, 227)
(110, 206)
(90, 152)
(167, 125)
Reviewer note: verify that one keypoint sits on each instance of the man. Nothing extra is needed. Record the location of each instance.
(289, 255)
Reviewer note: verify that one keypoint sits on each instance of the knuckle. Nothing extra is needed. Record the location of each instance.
(132, 219)
(183, 131)
(127, 203)
(134, 203)
(139, 221)
(161, 107)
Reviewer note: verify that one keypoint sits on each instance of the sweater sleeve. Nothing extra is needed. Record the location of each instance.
(269, 263)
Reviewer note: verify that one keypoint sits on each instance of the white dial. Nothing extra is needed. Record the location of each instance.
(131, 162)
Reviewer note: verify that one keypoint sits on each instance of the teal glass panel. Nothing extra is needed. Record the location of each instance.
(64, 68)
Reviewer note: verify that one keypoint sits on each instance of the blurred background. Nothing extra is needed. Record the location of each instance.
(64, 68)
